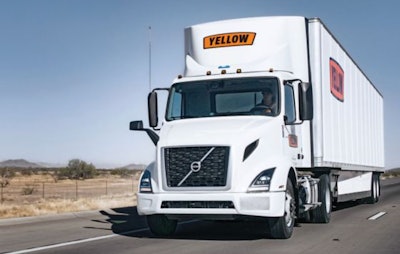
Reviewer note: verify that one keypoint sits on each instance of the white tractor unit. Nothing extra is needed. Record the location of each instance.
(272, 120)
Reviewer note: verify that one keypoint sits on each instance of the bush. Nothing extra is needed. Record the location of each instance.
(77, 169)
(5, 176)
(28, 189)
(26, 171)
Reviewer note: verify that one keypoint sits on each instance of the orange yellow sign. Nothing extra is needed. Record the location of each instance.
(229, 40)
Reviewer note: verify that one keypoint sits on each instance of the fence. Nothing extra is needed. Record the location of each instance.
(22, 191)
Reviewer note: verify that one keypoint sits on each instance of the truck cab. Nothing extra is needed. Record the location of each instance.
(228, 147)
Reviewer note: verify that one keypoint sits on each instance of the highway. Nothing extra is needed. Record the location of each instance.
(354, 228)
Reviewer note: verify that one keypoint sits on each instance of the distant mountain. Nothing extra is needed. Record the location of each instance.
(134, 166)
(51, 165)
(19, 163)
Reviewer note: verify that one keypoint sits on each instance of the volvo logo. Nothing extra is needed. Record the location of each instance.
(195, 166)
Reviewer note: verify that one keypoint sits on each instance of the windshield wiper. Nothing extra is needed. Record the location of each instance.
(182, 117)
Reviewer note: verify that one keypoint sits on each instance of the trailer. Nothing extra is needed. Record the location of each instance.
(272, 120)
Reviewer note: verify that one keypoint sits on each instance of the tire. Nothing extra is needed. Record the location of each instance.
(305, 217)
(160, 225)
(375, 189)
(322, 213)
(282, 227)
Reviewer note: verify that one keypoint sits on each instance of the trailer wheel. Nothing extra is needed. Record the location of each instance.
(282, 227)
(375, 189)
(160, 225)
(322, 213)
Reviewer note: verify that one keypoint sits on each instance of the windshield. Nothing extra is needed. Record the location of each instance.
(224, 97)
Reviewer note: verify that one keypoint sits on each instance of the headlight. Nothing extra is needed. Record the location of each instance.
(262, 181)
(145, 183)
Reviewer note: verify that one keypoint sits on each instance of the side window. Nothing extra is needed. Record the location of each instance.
(176, 106)
(290, 110)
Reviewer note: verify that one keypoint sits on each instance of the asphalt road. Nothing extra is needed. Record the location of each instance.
(121, 230)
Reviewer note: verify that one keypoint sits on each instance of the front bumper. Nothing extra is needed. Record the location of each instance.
(265, 204)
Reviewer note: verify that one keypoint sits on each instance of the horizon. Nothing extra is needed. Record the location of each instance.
(56, 165)
(73, 74)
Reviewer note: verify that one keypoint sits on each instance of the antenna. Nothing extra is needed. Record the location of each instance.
(149, 58)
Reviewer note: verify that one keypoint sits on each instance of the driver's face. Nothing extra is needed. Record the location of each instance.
(267, 98)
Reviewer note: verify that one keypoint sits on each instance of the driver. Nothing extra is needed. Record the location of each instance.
(267, 105)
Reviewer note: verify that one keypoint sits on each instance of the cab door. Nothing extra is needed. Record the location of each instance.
(292, 128)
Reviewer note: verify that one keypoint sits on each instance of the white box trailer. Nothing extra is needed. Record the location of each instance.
(348, 121)
(348, 126)
(271, 119)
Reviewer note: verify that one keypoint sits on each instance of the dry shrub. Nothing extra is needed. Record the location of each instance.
(29, 189)
(43, 207)
(23, 195)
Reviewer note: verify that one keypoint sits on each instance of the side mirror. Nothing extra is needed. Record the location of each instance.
(306, 101)
(153, 109)
(136, 125)
(152, 103)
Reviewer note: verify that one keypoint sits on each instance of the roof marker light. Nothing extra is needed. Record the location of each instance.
(208, 73)
(271, 69)
(239, 71)
(223, 72)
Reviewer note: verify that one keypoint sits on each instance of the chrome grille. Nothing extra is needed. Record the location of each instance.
(180, 171)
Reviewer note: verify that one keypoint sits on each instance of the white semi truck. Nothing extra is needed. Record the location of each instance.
(271, 120)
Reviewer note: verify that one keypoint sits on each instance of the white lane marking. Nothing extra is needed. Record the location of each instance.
(85, 240)
(377, 216)
(76, 242)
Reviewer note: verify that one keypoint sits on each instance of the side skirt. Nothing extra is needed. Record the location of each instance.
(353, 196)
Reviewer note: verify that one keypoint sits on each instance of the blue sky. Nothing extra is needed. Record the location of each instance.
(74, 73)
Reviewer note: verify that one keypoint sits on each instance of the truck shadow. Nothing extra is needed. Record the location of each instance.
(346, 205)
(126, 221)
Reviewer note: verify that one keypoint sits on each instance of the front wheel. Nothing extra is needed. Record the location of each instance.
(160, 225)
(282, 227)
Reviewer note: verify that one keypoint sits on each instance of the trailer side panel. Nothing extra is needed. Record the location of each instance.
(348, 124)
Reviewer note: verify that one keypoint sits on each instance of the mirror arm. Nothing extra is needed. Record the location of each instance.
(138, 126)
(153, 136)
(294, 123)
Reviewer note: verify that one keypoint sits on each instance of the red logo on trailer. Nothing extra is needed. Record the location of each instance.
(337, 79)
